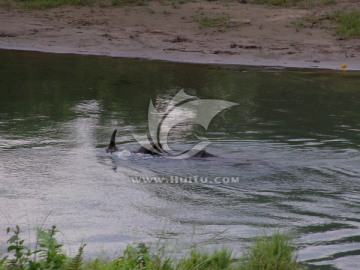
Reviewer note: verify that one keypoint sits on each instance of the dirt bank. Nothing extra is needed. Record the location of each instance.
(243, 34)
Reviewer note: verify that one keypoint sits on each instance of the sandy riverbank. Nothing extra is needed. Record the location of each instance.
(253, 35)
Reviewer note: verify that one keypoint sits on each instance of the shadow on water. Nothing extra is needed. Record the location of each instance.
(287, 155)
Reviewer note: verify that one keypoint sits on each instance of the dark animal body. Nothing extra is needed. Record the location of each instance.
(152, 150)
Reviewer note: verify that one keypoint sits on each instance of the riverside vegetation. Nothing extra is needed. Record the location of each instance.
(275, 252)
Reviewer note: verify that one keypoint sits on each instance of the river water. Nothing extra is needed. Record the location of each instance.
(287, 156)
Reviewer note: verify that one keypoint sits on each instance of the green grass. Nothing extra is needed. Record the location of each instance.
(217, 21)
(274, 2)
(130, 2)
(285, 2)
(328, 2)
(267, 253)
(348, 24)
(307, 4)
(45, 4)
(345, 25)
(218, 259)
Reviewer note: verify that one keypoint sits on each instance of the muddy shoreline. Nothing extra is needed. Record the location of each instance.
(193, 58)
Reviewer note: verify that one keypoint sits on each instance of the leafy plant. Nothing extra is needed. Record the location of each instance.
(50, 251)
(21, 253)
(139, 257)
(76, 262)
(47, 253)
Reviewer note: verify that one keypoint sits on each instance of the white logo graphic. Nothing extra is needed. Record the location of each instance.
(182, 108)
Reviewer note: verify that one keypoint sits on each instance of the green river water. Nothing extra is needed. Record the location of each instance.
(291, 145)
